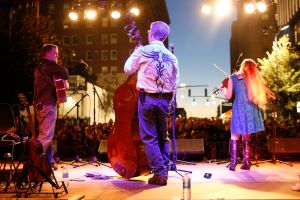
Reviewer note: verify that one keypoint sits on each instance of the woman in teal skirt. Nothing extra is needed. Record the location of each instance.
(250, 96)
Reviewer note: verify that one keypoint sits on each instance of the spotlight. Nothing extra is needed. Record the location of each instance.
(206, 9)
(135, 11)
(249, 7)
(73, 15)
(115, 14)
(91, 14)
(261, 6)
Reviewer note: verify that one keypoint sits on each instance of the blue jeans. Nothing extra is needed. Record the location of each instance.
(47, 120)
(153, 127)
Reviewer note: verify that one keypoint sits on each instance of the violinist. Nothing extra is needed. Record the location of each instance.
(157, 79)
(251, 93)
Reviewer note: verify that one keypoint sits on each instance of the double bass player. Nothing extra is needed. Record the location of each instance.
(157, 79)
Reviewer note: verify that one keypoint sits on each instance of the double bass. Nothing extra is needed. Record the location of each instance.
(125, 150)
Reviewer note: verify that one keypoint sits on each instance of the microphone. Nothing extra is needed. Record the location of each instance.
(75, 91)
(85, 65)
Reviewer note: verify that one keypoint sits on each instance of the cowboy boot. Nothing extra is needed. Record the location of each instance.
(246, 155)
(233, 154)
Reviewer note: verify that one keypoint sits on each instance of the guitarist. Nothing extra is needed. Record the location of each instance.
(45, 98)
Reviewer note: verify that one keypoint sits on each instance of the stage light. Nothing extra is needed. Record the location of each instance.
(261, 6)
(73, 16)
(115, 14)
(135, 11)
(223, 7)
(249, 7)
(90, 14)
(206, 9)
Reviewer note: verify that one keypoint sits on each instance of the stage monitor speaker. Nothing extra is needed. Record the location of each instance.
(284, 145)
(189, 146)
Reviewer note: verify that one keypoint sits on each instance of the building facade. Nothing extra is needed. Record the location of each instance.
(252, 34)
(102, 43)
(288, 14)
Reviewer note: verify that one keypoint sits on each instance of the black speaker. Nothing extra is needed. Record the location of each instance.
(284, 145)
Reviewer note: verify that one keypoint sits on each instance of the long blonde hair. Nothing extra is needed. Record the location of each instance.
(258, 91)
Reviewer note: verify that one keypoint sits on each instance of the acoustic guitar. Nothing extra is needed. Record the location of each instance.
(41, 169)
(61, 86)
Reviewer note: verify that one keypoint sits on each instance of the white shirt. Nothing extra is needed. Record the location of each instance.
(157, 68)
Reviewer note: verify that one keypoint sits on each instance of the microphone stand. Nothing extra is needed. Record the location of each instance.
(94, 160)
(174, 145)
(76, 128)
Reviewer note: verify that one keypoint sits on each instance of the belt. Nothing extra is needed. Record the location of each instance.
(168, 95)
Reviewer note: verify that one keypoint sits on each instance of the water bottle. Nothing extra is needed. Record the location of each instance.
(186, 189)
(65, 176)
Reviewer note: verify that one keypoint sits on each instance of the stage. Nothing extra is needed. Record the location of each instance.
(266, 181)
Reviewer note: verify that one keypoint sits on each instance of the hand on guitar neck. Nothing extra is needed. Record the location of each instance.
(132, 30)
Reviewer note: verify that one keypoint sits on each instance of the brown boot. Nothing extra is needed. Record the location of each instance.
(158, 180)
(246, 155)
(233, 154)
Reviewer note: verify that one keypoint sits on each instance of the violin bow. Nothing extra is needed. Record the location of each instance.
(221, 70)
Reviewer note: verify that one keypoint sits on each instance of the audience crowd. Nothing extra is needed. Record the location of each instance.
(79, 139)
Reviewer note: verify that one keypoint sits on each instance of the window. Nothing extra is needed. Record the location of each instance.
(89, 39)
(104, 38)
(74, 57)
(104, 55)
(66, 57)
(66, 23)
(89, 55)
(66, 39)
(89, 23)
(74, 25)
(75, 39)
(113, 22)
(51, 24)
(113, 38)
(114, 69)
(114, 54)
(105, 22)
(51, 8)
(66, 6)
(104, 69)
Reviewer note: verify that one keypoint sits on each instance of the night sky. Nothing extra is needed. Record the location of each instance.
(199, 42)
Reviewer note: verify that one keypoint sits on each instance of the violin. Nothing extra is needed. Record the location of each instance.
(223, 85)
(216, 90)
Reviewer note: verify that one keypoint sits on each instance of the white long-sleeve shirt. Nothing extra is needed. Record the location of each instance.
(157, 68)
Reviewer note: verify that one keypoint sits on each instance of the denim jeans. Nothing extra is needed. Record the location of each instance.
(153, 127)
(47, 120)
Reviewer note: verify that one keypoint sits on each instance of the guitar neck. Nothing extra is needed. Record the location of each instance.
(30, 122)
